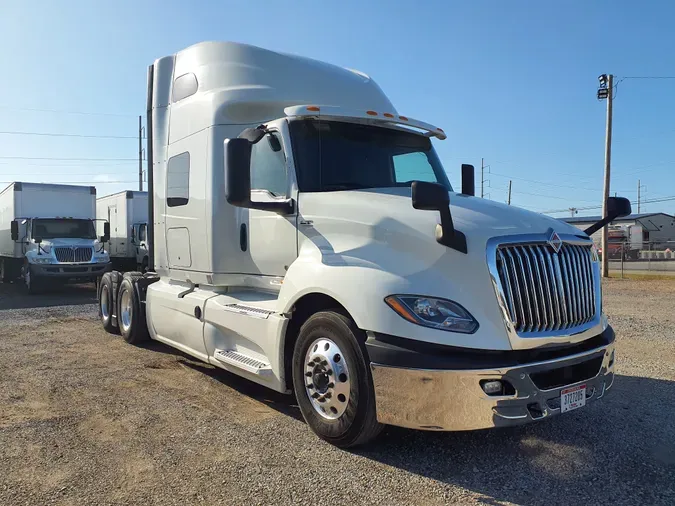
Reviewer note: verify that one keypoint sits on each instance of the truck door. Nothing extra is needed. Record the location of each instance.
(272, 241)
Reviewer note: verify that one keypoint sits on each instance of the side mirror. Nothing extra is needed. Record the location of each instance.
(237, 155)
(37, 240)
(618, 207)
(106, 232)
(14, 227)
(429, 196)
(238, 172)
(434, 197)
(468, 184)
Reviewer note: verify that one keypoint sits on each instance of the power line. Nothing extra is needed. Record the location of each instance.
(65, 111)
(543, 183)
(519, 192)
(70, 164)
(90, 182)
(648, 77)
(54, 134)
(644, 201)
(67, 159)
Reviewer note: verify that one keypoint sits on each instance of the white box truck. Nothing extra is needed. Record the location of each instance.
(304, 235)
(127, 213)
(48, 235)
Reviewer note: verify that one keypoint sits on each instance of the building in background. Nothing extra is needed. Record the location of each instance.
(657, 230)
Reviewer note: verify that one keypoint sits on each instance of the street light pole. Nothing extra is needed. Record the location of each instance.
(605, 92)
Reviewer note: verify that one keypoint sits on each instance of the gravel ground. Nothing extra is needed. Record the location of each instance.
(88, 419)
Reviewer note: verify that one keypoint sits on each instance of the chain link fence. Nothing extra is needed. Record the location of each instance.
(636, 257)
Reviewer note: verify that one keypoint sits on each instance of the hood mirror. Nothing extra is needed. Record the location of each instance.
(434, 197)
(617, 207)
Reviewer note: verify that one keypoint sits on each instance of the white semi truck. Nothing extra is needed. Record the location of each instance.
(304, 235)
(48, 235)
(127, 213)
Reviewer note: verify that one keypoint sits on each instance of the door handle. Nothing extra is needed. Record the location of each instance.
(243, 237)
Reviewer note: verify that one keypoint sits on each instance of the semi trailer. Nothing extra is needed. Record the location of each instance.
(48, 235)
(127, 213)
(303, 234)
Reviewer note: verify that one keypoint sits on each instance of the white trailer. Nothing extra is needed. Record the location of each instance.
(304, 235)
(47, 234)
(127, 213)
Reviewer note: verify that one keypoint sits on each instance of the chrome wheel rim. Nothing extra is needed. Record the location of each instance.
(105, 300)
(126, 310)
(327, 379)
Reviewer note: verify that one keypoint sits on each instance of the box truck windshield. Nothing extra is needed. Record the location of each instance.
(59, 228)
(332, 155)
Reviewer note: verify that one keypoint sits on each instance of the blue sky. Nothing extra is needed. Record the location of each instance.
(513, 82)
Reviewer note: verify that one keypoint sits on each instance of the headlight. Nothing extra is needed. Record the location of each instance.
(439, 314)
(42, 260)
(102, 257)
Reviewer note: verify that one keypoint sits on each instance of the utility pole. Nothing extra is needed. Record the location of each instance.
(509, 202)
(606, 91)
(140, 154)
(482, 179)
(638, 196)
(573, 211)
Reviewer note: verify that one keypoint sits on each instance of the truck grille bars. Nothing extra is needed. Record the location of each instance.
(544, 289)
(73, 254)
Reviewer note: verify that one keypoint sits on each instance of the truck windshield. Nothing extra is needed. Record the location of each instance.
(333, 155)
(63, 228)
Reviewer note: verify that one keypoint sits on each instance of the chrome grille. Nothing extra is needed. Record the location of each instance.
(544, 290)
(73, 255)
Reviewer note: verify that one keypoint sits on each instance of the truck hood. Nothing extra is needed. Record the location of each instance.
(480, 219)
(68, 242)
(394, 249)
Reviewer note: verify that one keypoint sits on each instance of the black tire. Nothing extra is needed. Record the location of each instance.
(358, 423)
(106, 290)
(131, 321)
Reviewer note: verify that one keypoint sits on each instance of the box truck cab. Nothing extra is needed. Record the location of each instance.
(48, 235)
(127, 214)
(304, 235)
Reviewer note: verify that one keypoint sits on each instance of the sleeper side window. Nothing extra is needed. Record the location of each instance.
(178, 180)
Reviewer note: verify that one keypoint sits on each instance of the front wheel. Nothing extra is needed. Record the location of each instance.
(332, 380)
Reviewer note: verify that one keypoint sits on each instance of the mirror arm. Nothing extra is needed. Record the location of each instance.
(447, 235)
(281, 207)
(599, 224)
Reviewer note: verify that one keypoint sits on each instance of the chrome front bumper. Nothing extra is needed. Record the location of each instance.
(441, 399)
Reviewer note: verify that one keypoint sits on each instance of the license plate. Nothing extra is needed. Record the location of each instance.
(572, 398)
